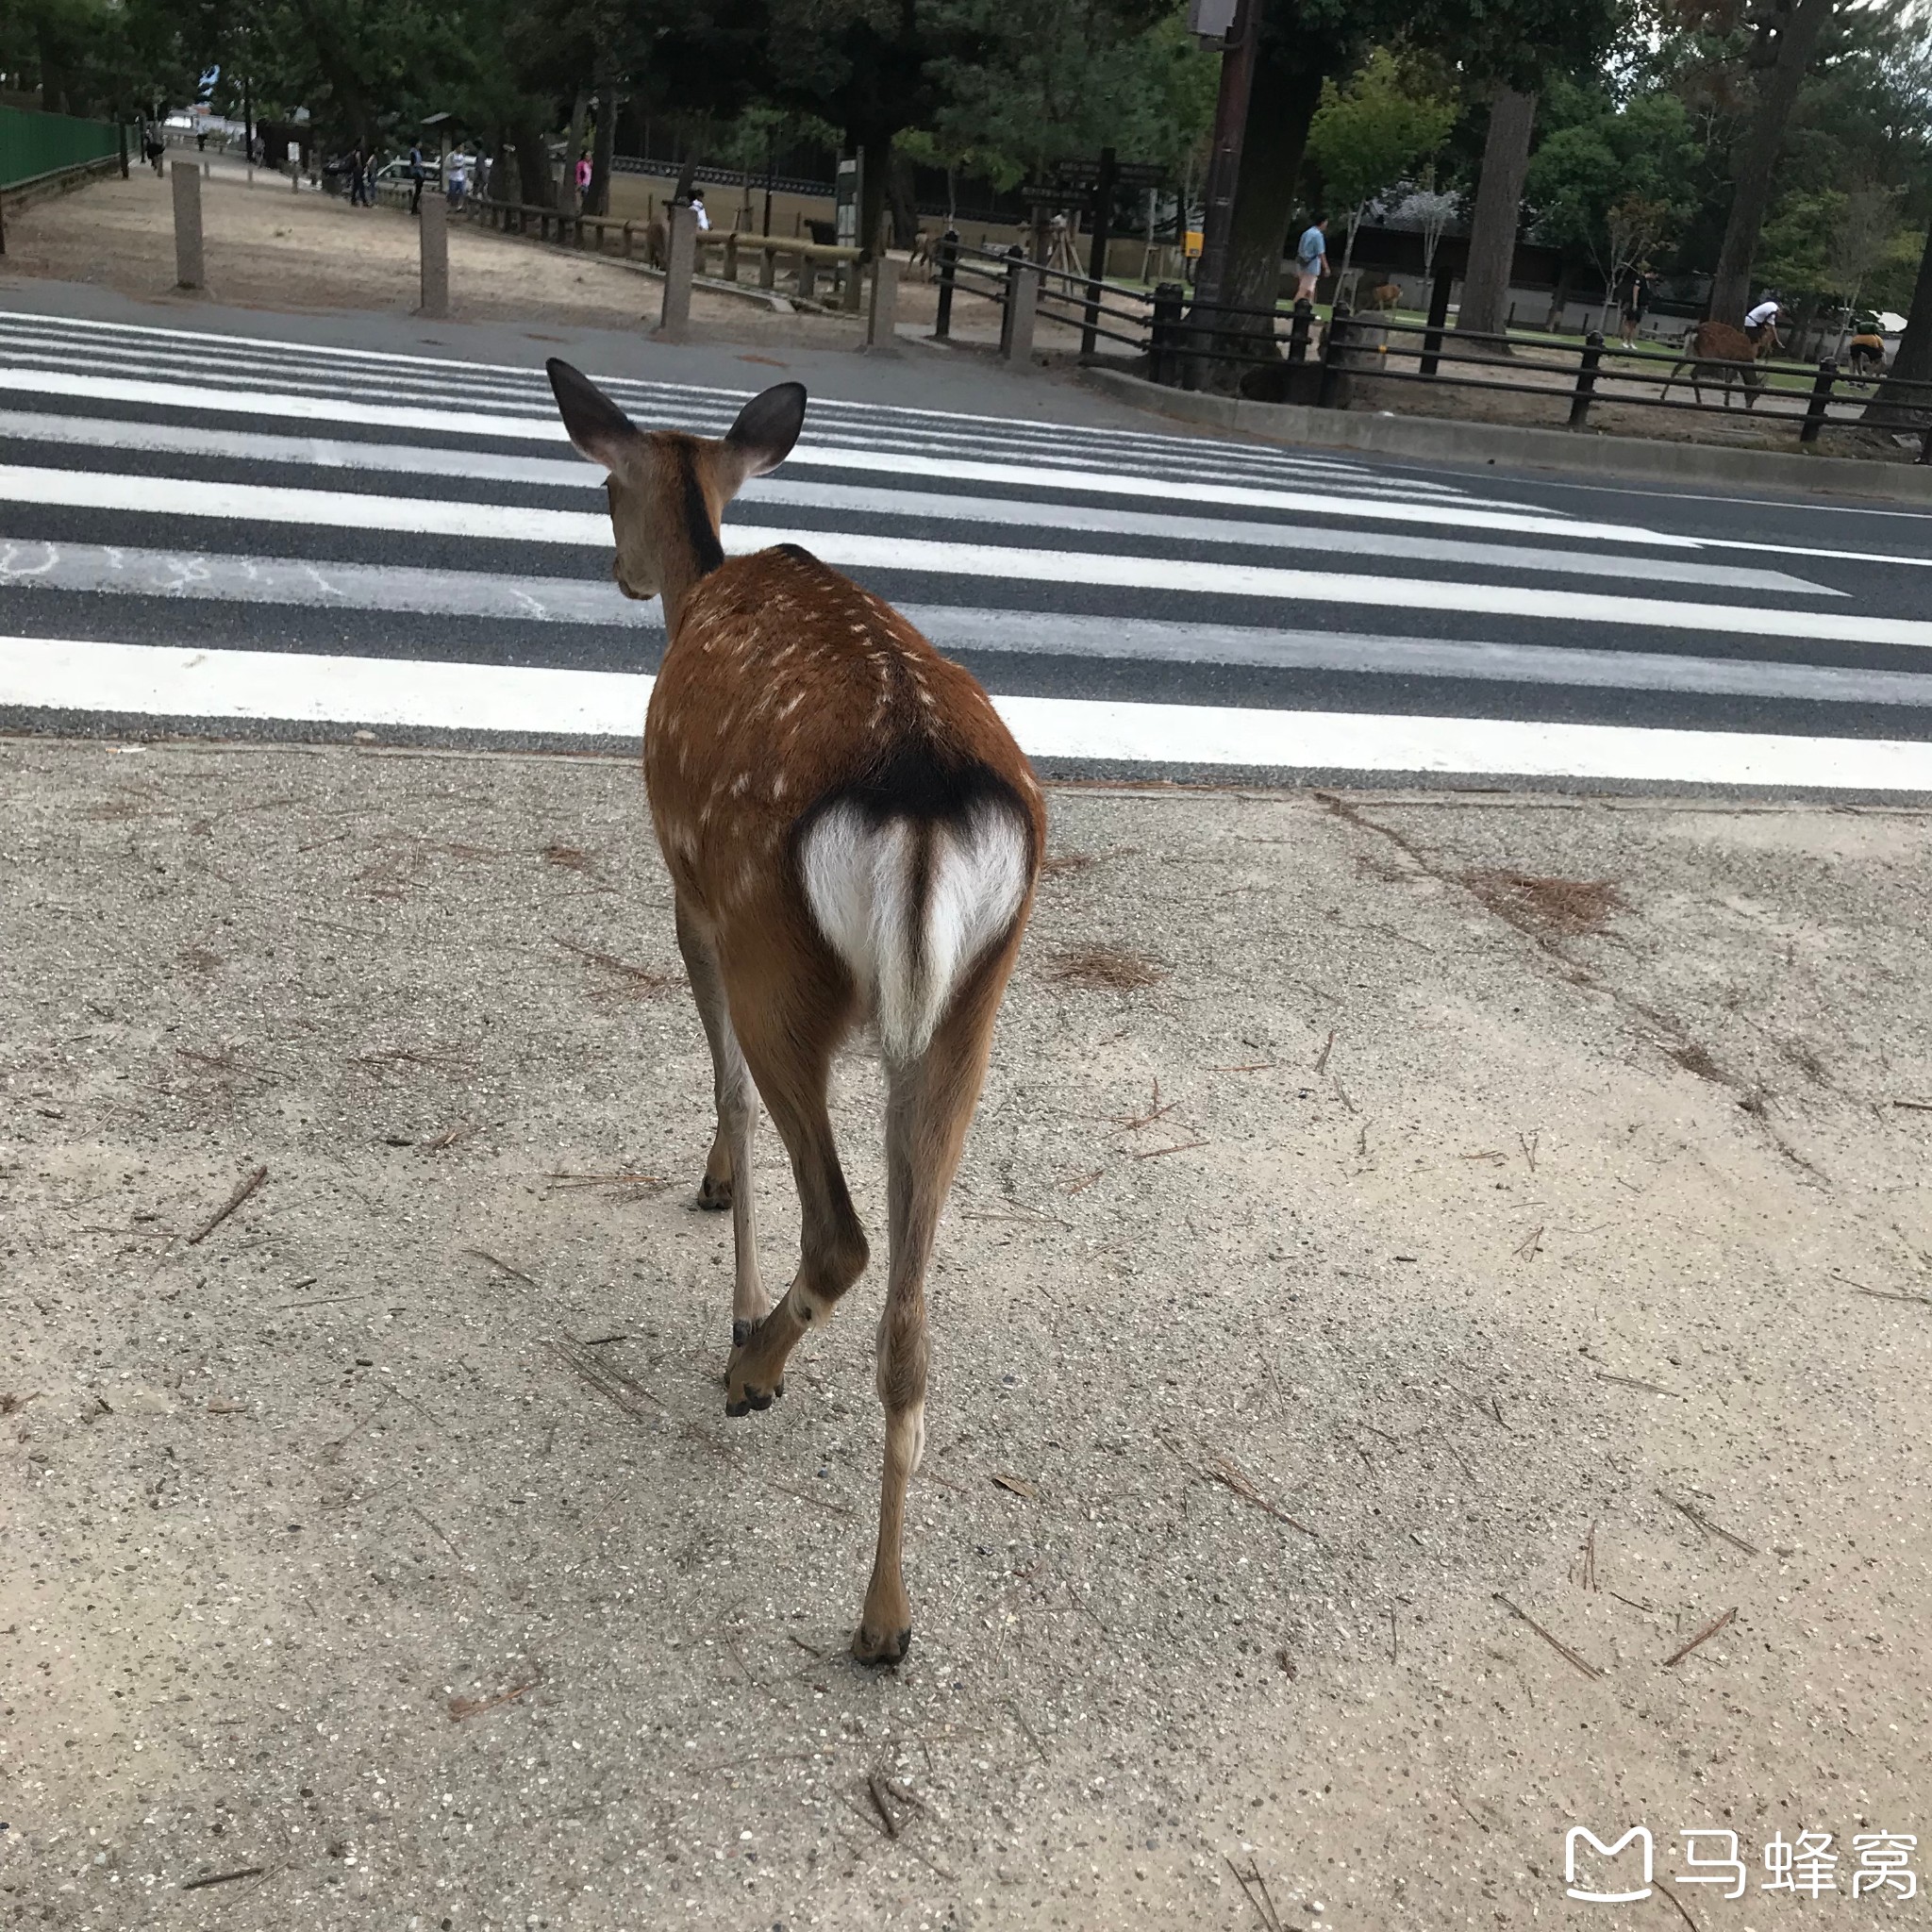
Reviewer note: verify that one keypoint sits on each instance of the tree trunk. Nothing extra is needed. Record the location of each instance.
(1894, 404)
(899, 195)
(1283, 103)
(1498, 209)
(1756, 155)
(567, 194)
(536, 187)
(604, 136)
(874, 177)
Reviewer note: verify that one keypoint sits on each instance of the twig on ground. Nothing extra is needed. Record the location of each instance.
(1230, 1475)
(1556, 1643)
(515, 1274)
(1637, 1382)
(641, 979)
(1683, 1911)
(223, 1878)
(1254, 1890)
(1710, 1528)
(244, 1188)
(1590, 1582)
(566, 1181)
(1529, 1146)
(1915, 1106)
(888, 1817)
(1161, 1153)
(1082, 1182)
(1135, 1122)
(461, 1707)
(1529, 1249)
(1020, 1718)
(1328, 1047)
(1703, 1636)
(1249, 1067)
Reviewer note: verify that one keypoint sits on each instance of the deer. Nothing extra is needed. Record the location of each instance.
(1718, 350)
(854, 843)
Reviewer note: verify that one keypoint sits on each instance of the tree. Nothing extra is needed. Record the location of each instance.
(1614, 186)
(1781, 50)
(1365, 137)
(1306, 41)
(1498, 212)
(1429, 211)
(1906, 394)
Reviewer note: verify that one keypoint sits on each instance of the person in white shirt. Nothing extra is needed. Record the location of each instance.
(1762, 320)
(697, 208)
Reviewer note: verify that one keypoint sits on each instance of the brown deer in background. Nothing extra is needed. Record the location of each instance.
(853, 839)
(1719, 353)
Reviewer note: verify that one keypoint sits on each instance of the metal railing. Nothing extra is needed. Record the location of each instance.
(1185, 343)
(1079, 301)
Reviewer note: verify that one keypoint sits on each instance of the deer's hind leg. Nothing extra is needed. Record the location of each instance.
(928, 1108)
(792, 1024)
(727, 1181)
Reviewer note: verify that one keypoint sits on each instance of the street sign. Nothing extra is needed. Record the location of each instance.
(1126, 174)
(1210, 20)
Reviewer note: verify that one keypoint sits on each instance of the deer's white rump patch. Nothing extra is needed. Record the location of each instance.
(909, 933)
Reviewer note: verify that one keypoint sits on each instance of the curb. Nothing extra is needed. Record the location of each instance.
(1465, 444)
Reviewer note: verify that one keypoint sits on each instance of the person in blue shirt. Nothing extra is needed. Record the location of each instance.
(1312, 259)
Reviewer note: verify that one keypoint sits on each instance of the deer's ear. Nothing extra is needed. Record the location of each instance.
(767, 427)
(598, 428)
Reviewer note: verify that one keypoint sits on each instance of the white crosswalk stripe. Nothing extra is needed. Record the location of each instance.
(243, 533)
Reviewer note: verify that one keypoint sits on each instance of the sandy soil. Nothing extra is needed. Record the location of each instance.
(1383, 1245)
(269, 247)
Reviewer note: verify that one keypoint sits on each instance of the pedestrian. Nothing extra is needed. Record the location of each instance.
(583, 180)
(154, 147)
(486, 166)
(415, 177)
(697, 208)
(1312, 259)
(459, 179)
(359, 196)
(1762, 320)
(1637, 288)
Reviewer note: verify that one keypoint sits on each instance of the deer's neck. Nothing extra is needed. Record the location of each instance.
(690, 551)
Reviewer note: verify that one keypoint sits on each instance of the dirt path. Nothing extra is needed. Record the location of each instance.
(1421, 1264)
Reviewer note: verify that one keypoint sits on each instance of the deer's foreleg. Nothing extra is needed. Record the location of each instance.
(727, 1181)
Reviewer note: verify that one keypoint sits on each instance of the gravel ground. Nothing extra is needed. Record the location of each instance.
(1380, 1208)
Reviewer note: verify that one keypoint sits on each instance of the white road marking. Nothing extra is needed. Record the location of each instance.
(410, 460)
(285, 582)
(287, 407)
(249, 503)
(140, 681)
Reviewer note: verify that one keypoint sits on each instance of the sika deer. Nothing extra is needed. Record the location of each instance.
(1717, 352)
(853, 839)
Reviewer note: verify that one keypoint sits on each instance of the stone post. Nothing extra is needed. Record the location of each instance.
(882, 317)
(674, 325)
(1023, 295)
(433, 234)
(188, 262)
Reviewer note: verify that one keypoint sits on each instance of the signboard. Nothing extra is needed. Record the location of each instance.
(1210, 20)
(846, 203)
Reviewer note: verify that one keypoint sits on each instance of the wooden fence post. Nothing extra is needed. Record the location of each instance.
(673, 324)
(187, 261)
(1586, 378)
(1815, 410)
(432, 228)
(948, 253)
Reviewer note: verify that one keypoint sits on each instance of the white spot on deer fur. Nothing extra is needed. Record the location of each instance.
(908, 954)
(740, 785)
(791, 705)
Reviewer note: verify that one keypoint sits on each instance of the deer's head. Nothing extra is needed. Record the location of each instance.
(669, 490)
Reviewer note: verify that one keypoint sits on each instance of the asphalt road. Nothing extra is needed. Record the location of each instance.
(253, 536)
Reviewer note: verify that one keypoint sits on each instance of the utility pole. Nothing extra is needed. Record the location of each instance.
(1241, 39)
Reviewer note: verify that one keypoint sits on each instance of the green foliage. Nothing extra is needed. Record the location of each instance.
(1367, 136)
(1637, 156)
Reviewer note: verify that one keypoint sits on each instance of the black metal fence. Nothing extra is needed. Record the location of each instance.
(1294, 355)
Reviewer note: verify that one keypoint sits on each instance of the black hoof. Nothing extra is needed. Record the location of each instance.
(761, 1402)
(741, 1333)
(714, 1196)
(886, 1654)
(737, 1408)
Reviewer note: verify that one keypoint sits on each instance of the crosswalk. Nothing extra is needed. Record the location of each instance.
(202, 531)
